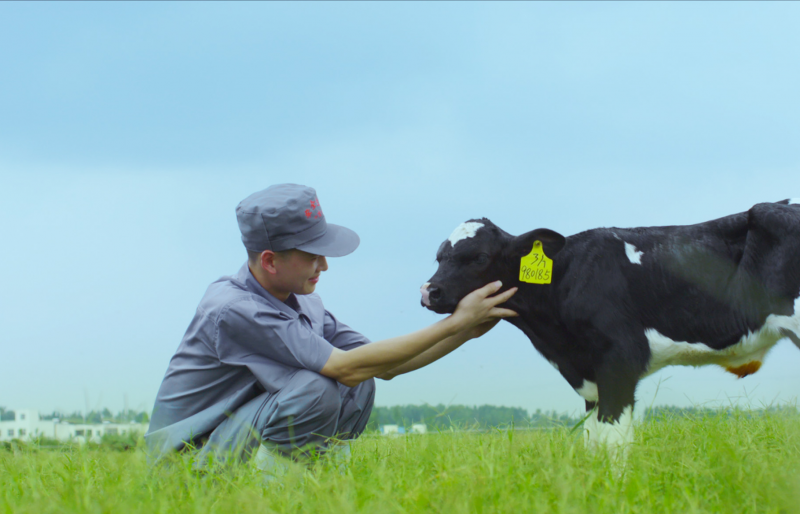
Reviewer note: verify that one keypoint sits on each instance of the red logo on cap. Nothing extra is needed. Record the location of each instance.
(314, 207)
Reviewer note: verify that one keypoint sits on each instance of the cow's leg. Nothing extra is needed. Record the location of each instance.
(612, 424)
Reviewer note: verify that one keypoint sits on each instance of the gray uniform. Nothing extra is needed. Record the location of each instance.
(247, 371)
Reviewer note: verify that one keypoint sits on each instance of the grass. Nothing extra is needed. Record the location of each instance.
(740, 462)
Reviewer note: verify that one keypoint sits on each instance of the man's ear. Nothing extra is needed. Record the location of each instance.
(267, 261)
(552, 242)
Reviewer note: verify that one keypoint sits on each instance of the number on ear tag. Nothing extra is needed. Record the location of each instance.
(536, 267)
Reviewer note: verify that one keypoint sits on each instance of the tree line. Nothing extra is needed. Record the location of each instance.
(444, 417)
(437, 417)
(670, 411)
(94, 416)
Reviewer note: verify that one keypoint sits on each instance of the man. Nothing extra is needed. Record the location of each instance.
(263, 364)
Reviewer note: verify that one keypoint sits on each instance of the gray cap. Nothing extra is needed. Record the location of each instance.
(287, 216)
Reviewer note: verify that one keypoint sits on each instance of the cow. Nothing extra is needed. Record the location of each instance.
(610, 306)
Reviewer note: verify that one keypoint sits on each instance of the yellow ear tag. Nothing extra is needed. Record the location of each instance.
(536, 268)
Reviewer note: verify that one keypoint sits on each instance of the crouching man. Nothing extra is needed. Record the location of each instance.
(264, 369)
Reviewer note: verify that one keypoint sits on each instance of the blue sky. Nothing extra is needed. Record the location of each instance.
(130, 131)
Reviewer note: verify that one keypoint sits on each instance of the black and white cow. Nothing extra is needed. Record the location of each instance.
(623, 303)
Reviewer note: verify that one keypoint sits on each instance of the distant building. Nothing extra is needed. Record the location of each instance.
(392, 429)
(28, 425)
(417, 428)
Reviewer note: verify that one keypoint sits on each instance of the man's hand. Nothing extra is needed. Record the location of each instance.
(478, 307)
(479, 330)
(470, 309)
(391, 357)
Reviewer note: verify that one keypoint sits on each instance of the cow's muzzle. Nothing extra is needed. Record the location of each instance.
(430, 295)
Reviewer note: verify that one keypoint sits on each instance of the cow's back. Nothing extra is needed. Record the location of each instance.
(710, 283)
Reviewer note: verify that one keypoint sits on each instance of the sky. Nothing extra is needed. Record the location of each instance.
(130, 131)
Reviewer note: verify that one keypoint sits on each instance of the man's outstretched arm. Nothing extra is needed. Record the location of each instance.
(439, 350)
(353, 367)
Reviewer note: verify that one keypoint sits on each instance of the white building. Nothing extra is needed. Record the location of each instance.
(419, 428)
(416, 428)
(392, 429)
(27, 425)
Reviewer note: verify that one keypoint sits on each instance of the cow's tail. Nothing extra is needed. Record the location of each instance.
(791, 336)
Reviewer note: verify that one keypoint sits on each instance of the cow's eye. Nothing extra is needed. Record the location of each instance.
(482, 258)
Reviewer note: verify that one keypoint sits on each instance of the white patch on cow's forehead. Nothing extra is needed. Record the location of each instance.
(464, 231)
(634, 255)
(794, 201)
(588, 390)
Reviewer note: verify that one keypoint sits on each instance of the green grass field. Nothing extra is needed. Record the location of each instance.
(742, 462)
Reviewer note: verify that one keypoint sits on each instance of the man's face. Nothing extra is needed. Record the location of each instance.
(298, 271)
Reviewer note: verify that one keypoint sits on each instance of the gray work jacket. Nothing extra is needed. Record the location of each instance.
(242, 341)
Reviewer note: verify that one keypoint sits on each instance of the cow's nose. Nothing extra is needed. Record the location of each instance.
(434, 293)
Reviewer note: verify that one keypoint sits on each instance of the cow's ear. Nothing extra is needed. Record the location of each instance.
(552, 242)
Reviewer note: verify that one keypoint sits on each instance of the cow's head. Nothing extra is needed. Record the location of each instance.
(479, 252)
